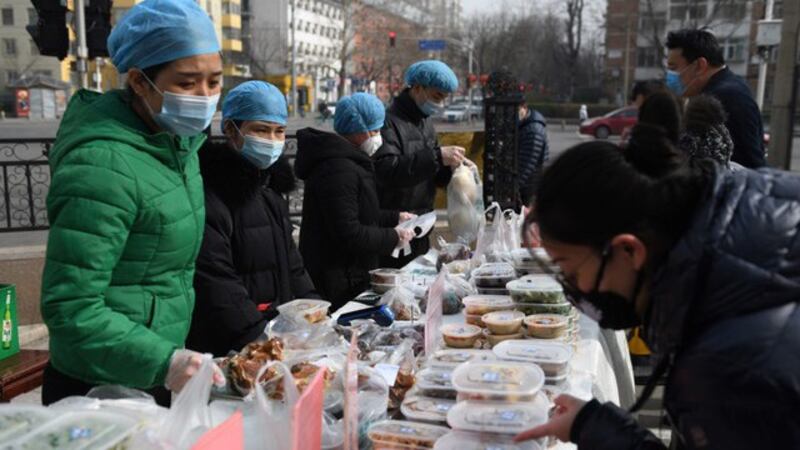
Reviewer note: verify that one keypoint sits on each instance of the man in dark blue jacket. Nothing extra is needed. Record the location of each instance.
(533, 150)
(696, 66)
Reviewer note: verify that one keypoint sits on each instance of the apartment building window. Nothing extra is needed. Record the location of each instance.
(688, 9)
(33, 17)
(734, 50)
(12, 76)
(10, 47)
(8, 17)
(733, 10)
(649, 23)
(648, 57)
(231, 8)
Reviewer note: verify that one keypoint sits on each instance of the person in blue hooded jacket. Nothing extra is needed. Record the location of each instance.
(344, 230)
(248, 264)
(411, 164)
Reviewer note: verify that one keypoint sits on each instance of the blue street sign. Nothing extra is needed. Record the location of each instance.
(432, 45)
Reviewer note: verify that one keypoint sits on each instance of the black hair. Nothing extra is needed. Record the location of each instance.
(664, 110)
(646, 88)
(696, 44)
(704, 112)
(595, 191)
(151, 73)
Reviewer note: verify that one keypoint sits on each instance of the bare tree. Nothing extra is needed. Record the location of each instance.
(264, 49)
(350, 9)
(574, 30)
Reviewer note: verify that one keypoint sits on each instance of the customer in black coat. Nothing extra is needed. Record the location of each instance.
(708, 261)
(697, 66)
(248, 263)
(344, 230)
(411, 164)
(534, 150)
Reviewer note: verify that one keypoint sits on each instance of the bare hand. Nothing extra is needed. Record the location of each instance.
(560, 424)
(406, 216)
(453, 156)
(405, 235)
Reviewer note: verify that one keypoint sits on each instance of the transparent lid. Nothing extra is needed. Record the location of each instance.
(525, 256)
(546, 320)
(498, 378)
(451, 358)
(488, 301)
(494, 270)
(407, 433)
(461, 330)
(434, 378)
(535, 351)
(17, 420)
(427, 409)
(498, 417)
(535, 283)
(303, 306)
(502, 317)
(79, 430)
(466, 440)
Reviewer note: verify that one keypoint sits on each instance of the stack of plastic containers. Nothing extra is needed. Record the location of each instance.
(491, 278)
(548, 315)
(475, 306)
(496, 400)
(551, 356)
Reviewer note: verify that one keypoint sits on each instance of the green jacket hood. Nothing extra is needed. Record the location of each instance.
(109, 117)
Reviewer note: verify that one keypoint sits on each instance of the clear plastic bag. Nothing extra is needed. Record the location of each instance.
(189, 417)
(275, 416)
(298, 334)
(402, 303)
(493, 244)
(465, 202)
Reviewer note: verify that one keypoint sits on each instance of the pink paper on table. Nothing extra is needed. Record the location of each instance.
(351, 396)
(307, 415)
(433, 315)
(228, 435)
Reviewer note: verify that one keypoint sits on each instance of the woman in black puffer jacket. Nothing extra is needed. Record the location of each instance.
(344, 231)
(708, 262)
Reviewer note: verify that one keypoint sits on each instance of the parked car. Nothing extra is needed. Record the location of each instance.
(612, 123)
(458, 112)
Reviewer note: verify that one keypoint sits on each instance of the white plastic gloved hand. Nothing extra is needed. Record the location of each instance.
(183, 365)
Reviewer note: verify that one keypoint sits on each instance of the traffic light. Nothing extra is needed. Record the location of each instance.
(98, 27)
(392, 38)
(50, 32)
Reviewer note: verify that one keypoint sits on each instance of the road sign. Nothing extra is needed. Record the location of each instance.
(432, 45)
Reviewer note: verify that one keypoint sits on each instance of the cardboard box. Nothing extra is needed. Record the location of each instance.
(9, 325)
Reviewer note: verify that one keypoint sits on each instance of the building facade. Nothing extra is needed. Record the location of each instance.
(637, 29)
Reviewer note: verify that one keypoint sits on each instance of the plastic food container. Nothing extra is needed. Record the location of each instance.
(493, 275)
(79, 430)
(494, 339)
(398, 434)
(498, 417)
(465, 440)
(476, 320)
(524, 261)
(492, 291)
(18, 420)
(450, 359)
(426, 409)
(504, 322)
(552, 357)
(499, 380)
(536, 289)
(387, 276)
(312, 310)
(529, 309)
(382, 288)
(484, 304)
(547, 326)
(435, 382)
(461, 336)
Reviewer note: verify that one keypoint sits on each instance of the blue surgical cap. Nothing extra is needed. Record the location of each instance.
(358, 113)
(255, 100)
(432, 73)
(159, 31)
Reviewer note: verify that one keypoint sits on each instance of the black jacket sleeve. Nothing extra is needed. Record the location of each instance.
(221, 297)
(607, 427)
(340, 207)
(401, 169)
(744, 124)
(533, 151)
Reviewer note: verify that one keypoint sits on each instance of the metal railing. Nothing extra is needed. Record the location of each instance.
(25, 182)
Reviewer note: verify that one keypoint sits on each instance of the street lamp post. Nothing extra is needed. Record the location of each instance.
(83, 50)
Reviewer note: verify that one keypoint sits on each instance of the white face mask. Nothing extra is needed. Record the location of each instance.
(371, 145)
(182, 114)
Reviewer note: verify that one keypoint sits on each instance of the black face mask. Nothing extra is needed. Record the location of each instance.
(609, 309)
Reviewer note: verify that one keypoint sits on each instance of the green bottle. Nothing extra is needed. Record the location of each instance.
(7, 323)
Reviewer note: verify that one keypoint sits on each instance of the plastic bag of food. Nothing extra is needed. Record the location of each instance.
(512, 222)
(275, 414)
(492, 245)
(455, 289)
(450, 252)
(402, 303)
(240, 369)
(298, 334)
(406, 365)
(465, 202)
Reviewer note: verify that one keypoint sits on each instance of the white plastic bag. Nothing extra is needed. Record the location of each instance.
(465, 203)
(189, 417)
(493, 244)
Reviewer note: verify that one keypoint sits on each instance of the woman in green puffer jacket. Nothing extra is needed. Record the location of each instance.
(126, 209)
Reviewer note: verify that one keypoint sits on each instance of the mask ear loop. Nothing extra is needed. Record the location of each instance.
(150, 82)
